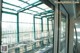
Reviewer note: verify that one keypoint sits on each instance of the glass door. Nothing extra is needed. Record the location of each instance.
(63, 30)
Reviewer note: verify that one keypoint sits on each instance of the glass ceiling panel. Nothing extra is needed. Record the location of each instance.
(37, 9)
(31, 1)
(43, 6)
(16, 2)
(8, 10)
(49, 13)
(28, 11)
(11, 7)
(17, 5)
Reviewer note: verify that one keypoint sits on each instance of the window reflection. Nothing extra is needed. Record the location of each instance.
(76, 41)
(63, 34)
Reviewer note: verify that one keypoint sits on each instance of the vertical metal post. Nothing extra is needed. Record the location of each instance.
(34, 32)
(41, 24)
(34, 26)
(48, 24)
(71, 33)
(48, 28)
(17, 27)
(0, 23)
(52, 24)
(42, 44)
(56, 29)
(17, 50)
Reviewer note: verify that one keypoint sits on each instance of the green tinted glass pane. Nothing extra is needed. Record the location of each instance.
(8, 23)
(37, 21)
(26, 36)
(43, 6)
(9, 17)
(50, 22)
(30, 12)
(38, 24)
(8, 27)
(38, 27)
(11, 7)
(44, 20)
(44, 24)
(7, 10)
(9, 38)
(63, 34)
(38, 34)
(23, 27)
(17, 3)
(37, 9)
(25, 18)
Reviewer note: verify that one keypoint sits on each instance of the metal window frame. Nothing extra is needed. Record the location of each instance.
(23, 9)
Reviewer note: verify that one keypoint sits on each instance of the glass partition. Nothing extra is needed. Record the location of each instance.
(38, 28)
(19, 29)
(63, 34)
(45, 28)
(26, 29)
(9, 30)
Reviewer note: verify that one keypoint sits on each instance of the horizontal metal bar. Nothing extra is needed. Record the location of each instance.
(8, 34)
(30, 6)
(9, 12)
(24, 1)
(46, 15)
(9, 8)
(37, 17)
(34, 11)
(11, 4)
(45, 12)
(27, 13)
(41, 8)
(16, 6)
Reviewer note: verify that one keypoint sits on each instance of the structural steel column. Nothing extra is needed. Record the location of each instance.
(71, 34)
(17, 27)
(34, 26)
(56, 29)
(41, 24)
(0, 23)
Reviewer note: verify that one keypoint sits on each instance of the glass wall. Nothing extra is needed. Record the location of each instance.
(38, 28)
(19, 31)
(51, 27)
(26, 29)
(9, 28)
(63, 34)
(45, 28)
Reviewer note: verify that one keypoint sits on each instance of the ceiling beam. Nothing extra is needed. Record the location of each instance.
(30, 6)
